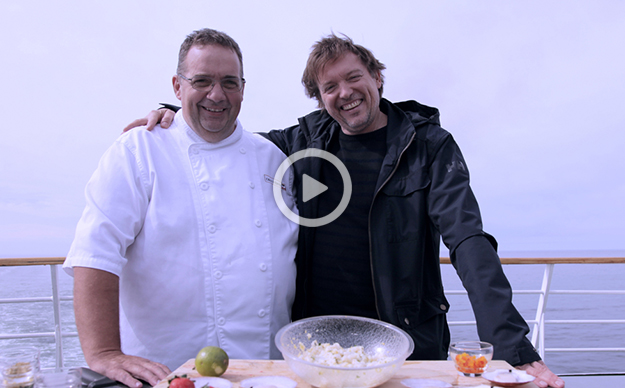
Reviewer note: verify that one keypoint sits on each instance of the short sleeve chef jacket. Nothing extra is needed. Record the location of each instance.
(204, 255)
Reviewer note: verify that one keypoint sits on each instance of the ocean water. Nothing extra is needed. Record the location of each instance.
(38, 317)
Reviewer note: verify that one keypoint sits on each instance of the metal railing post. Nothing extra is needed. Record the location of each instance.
(56, 302)
(538, 334)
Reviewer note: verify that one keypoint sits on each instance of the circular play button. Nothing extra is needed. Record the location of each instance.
(312, 187)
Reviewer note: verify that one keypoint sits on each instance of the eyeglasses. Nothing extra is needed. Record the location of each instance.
(206, 84)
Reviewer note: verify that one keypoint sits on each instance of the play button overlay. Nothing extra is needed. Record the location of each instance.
(312, 187)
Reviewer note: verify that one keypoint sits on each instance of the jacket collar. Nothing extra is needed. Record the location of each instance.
(319, 128)
(402, 118)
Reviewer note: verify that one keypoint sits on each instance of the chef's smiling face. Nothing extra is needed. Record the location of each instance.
(351, 95)
(211, 114)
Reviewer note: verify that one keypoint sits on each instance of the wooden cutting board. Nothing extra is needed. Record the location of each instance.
(239, 370)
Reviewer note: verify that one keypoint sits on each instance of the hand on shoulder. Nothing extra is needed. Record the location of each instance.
(162, 116)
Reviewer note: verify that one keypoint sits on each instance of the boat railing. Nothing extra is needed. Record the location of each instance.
(537, 324)
(58, 334)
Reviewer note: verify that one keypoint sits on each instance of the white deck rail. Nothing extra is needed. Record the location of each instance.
(57, 334)
(538, 324)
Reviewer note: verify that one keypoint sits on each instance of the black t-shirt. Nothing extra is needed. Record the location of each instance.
(340, 279)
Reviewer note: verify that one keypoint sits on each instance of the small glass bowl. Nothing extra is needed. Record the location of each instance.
(18, 367)
(471, 358)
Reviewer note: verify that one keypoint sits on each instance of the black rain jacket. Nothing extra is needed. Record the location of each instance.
(422, 193)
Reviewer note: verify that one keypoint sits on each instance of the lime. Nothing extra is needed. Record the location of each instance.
(211, 361)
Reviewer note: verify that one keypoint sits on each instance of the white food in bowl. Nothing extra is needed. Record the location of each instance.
(335, 355)
(377, 338)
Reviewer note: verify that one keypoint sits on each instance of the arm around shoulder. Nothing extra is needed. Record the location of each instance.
(285, 139)
(163, 116)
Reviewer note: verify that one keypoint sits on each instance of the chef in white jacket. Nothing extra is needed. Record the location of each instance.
(181, 244)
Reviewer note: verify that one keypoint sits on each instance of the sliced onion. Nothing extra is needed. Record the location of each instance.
(268, 382)
(215, 382)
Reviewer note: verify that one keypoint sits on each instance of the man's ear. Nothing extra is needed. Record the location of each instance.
(378, 79)
(177, 86)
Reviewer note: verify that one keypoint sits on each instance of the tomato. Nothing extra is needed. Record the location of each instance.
(470, 364)
(181, 382)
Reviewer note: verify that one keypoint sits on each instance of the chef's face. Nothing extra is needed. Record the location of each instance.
(351, 94)
(210, 112)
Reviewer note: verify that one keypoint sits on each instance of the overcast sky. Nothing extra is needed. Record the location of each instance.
(533, 91)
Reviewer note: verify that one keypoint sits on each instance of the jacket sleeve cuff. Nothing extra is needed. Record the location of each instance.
(520, 355)
(164, 105)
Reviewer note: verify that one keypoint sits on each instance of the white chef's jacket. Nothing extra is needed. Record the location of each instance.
(204, 255)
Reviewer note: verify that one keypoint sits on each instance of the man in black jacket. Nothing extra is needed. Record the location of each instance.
(410, 184)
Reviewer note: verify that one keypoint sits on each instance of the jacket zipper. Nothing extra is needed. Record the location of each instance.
(375, 293)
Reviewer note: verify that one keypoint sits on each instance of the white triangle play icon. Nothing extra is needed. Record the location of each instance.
(311, 188)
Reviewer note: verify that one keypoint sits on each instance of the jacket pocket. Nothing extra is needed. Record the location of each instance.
(426, 323)
(412, 315)
(403, 204)
(404, 186)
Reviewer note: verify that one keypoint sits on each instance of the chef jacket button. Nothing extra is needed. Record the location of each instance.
(252, 185)
(262, 313)
(407, 321)
(221, 321)
(263, 267)
(443, 307)
(204, 186)
(218, 275)
(258, 223)
(242, 150)
(212, 228)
